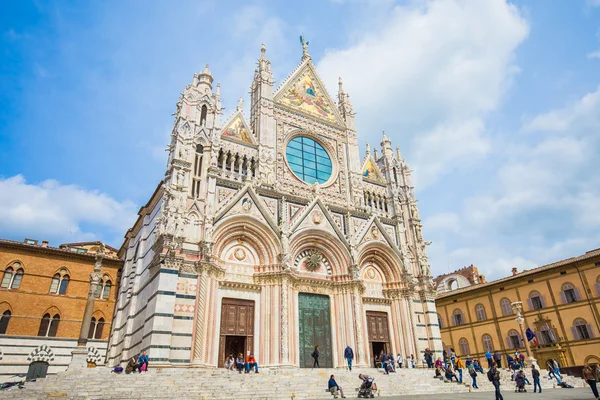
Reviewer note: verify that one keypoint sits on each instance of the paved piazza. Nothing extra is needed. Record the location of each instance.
(552, 394)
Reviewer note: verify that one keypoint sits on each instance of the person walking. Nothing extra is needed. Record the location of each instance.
(536, 379)
(494, 377)
(315, 355)
(550, 368)
(452, 357)
(473, 374)
(400, 360)
(498, 359)
(488, 357)
(349, 356)
(459, 367)
(589, 375)
(556, 367)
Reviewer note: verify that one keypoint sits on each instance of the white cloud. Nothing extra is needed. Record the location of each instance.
(426, 66)
(542, 205)
(593, 3)
(51, 210)
(446, 222)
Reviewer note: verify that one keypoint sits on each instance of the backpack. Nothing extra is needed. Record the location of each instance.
(117, 370)
(490, 375)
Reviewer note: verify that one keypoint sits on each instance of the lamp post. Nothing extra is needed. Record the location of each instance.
(517, 308)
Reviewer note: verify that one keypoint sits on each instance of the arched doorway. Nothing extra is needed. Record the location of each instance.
(37, 369)
(314, 328)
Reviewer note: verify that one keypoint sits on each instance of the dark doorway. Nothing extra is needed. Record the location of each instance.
(379, 334)
(37, 369)
(314, 328)
(376, 348)
(235, 345)
(237, 328)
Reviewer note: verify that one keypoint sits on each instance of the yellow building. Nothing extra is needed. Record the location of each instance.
(561, 303)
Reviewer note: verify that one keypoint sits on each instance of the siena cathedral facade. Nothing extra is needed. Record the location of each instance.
(270, 234)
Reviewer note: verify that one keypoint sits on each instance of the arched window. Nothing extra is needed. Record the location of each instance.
(581, 329)
(12, 279)
(92, 328)
(440, 321)
(513, 340)
(488, 345)
(480, 312)
(60, 282)
(535, 301)
(505, 306)
(569, 294)
(99, 329)
(464, 346)
(106, 290)
(4, 320)
(96, 328)
(48, 325)
(458, 317)
(203, 113)
(452, 284)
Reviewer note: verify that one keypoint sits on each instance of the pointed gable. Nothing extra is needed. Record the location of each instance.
(247, 202)
(237, 130)
(316, 215)
(304, 91)
(370, 171)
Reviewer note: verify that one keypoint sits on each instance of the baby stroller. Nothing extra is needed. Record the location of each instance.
(367, 388)
(520, 381)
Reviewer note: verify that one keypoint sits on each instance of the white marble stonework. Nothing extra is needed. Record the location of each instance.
(242, 219)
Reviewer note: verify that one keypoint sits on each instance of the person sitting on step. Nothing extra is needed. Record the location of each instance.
(230, 362)
(251, 363)
(239, 362)
(450, 374)
(334, 388)
(143, 362)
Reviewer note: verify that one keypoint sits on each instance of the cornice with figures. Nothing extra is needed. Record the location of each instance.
(376, 300)
(302, 121)
(240, 286)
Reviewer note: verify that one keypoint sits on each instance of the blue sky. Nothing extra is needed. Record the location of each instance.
(495, 105)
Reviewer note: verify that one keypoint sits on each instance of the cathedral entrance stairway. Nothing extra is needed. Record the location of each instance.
(293, 383)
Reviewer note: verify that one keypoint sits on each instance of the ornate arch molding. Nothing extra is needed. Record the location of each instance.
(251, 230)
(384, 258)
(41, 353)
(337, 255)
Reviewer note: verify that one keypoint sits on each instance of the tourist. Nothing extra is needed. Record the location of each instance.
(473, 374)
(251, 363)
(452, 357)
(334, 387)
(428, 358)
(468, 361)
(450, 374)
(400, 360)
(349, 356)
(494, 377)
(132, 365)
(390, 360)
(413, 361)
(445, 357)
(230, 362)
(488, 357)
(498, 359)
(315, 355)
(510, 362)
(522, 360)
(143, 362)
(536, 379)
(439, 363)
(477, 366)
(459, 367)
(590, 375)
(383, 360)
(556, 367)
(239, 362)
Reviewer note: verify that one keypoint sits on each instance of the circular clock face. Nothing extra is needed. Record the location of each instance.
(308, 160)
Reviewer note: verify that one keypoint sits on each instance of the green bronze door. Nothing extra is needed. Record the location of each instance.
(314, 327)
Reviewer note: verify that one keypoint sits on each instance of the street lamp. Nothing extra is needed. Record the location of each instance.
(517, 308)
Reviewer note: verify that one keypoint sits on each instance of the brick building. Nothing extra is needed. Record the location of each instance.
(43, 295)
